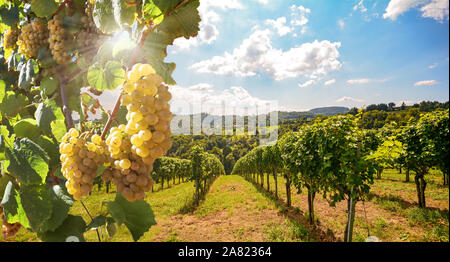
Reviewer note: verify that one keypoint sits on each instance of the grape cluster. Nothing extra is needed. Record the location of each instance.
(149, 116)
(33, 36)
(129, 172)
(80, 160)
(8, 230)
(10, 41)
(146, 137)
(57, 41)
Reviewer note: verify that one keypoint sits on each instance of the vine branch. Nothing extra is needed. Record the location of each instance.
(66, 109)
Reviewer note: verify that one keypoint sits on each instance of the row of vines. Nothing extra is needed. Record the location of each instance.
(56, 60)
(337, 159)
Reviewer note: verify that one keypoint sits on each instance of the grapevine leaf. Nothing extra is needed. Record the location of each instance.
(111, 228)
(43, 8)
(37, 204)
(183, 21)
(155, 45)
(61, 203)
(49, 85)
(13, 103)
(12, 206)
(137, 216)
(114, 74)
(9, 17)
(26, 75)
(28, 163)
(103, 15)
(96, 77)
(96, 223)
(27, 128)
(44, 116)
(71, 230)
(51, 148)
(109, 77)
(164, 70)
(124, 12)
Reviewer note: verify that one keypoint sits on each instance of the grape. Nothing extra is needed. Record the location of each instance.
(134, 147)
(57, 41)
(10, 41)
(32, 37)
(80, 160)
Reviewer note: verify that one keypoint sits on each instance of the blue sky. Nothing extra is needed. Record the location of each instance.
(315, 53)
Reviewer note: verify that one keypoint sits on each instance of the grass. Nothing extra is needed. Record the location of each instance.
(237, 210)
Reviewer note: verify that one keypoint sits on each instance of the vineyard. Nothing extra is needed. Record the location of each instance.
(72, 170)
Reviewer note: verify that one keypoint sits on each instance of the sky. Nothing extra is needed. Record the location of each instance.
(315, 53)
(257, 56)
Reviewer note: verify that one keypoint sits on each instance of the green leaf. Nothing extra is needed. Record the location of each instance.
(111, 228)
(51, 148)
(45, 58)
(183, 21)
(61, 203)
(12, 206)
(124, 12)
(43, 8)
(37, 204)
(164, 70)
(27, 128)
(29, 163)
(115, 74)
(58, 125)
(26, 75)
(49, 85)
(44, 116)
(13, 104)
(96, 223)
(9, 17)
(137, 216)
(103, 15)
(71, 230)
(110, 77)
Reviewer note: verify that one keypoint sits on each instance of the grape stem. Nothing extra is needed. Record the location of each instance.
(66, 109)
(92, 219)
(61, 6)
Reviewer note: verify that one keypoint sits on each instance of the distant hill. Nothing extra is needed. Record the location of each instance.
(330, 111)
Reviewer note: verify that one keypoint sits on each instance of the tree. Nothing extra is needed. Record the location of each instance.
(426, 146)
(348, 174)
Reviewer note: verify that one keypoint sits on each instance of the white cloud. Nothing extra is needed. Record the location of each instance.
(203, 98)
(256, 54)
(307, 83)
(360, 6)
(341, 23)
(426, 83)
(330, 82)
(349, 99)
(433, 66)
(300, 15)
(264, 2)
(366, 81)
(358, 81)
(436, 9)
(280, 25)
(398, 7)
